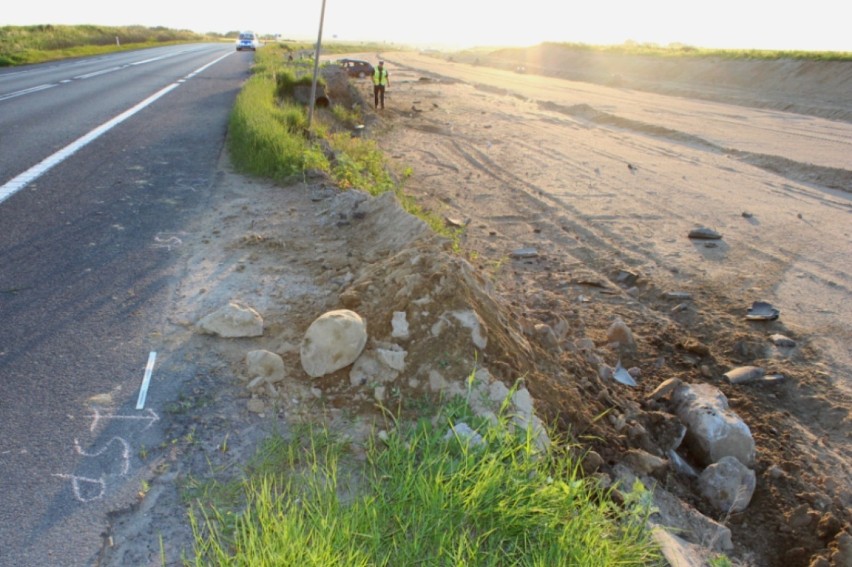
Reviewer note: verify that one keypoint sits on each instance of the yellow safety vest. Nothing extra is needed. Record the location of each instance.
(380, 77)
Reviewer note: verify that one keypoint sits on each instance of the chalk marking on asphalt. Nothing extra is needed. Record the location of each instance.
(125, 452)
(150, 416)
(78, 492)
(149, 369)
(22, 180)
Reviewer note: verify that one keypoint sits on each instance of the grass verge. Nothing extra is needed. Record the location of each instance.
(426, 495)
(268, 137)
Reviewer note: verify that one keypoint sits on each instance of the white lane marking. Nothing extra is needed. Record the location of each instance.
(143, 391)
(101, 72)
(27, 91)
(17, 183)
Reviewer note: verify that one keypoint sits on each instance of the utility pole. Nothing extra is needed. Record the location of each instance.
(316, 71)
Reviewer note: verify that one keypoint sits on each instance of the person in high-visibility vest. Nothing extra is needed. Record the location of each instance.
(380, 83)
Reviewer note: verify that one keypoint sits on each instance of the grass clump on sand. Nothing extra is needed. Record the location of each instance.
(269, 136)
(432, 493)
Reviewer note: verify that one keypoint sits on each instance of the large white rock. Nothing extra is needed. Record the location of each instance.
(713, 431)
(333, 341)
(728, 485)
(233, 321)
(266, 365)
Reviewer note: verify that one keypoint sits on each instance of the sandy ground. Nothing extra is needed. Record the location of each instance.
(604, 183)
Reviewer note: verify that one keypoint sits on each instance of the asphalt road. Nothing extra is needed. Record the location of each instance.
(93, 201)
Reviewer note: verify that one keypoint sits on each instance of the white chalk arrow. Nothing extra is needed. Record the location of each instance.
(148, 415)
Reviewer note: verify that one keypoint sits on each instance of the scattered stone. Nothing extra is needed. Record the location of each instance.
(333, 341)
(455, 222)
(747, 215)
(627, 278)
(711, 245)
(400, 325)
(782, 341)
(775, 472)
(678, 295)
(677, 551)
(592, 462)
(620, 333)
(665, 388)
(622, 376)
(762, 311)
(645, 463)
(377, 366)
(680, 307)
(233, 320)
(547, 337)
(605, 372)
(713, 431)
(773, 379)
(704, 233)
(694, 346)
(379, 393)
(524, 253)
(728, 484)
(464, 433)
(266, 365)
(256, 405)
(350, 299)
(744, 375)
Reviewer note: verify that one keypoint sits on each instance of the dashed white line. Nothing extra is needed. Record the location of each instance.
(28, 91)
(19, 182)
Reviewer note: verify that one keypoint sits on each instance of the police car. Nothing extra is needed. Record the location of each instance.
(248, 40)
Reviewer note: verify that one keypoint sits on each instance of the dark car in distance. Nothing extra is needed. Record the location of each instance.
(356, 67)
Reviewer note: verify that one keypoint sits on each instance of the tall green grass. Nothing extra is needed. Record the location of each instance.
(34, 44)
(268, 136)
(422, 498)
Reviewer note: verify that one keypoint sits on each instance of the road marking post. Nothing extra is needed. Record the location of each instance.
(149, 369)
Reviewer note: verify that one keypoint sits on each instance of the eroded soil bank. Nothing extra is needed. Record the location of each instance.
(569, 222)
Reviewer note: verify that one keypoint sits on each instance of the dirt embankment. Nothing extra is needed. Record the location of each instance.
(816, 88)
(568, 225)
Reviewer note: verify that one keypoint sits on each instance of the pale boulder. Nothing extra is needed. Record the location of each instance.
(728, 485)
(333, 341)
(266, 365)
(713, 431)
(233, 320)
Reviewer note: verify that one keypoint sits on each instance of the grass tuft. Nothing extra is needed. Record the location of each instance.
(421, 498)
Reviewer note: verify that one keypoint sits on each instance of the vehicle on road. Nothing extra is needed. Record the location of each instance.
(356, 67)
(248, 40)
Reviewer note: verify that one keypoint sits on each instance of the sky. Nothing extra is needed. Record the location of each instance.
(816, 25)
